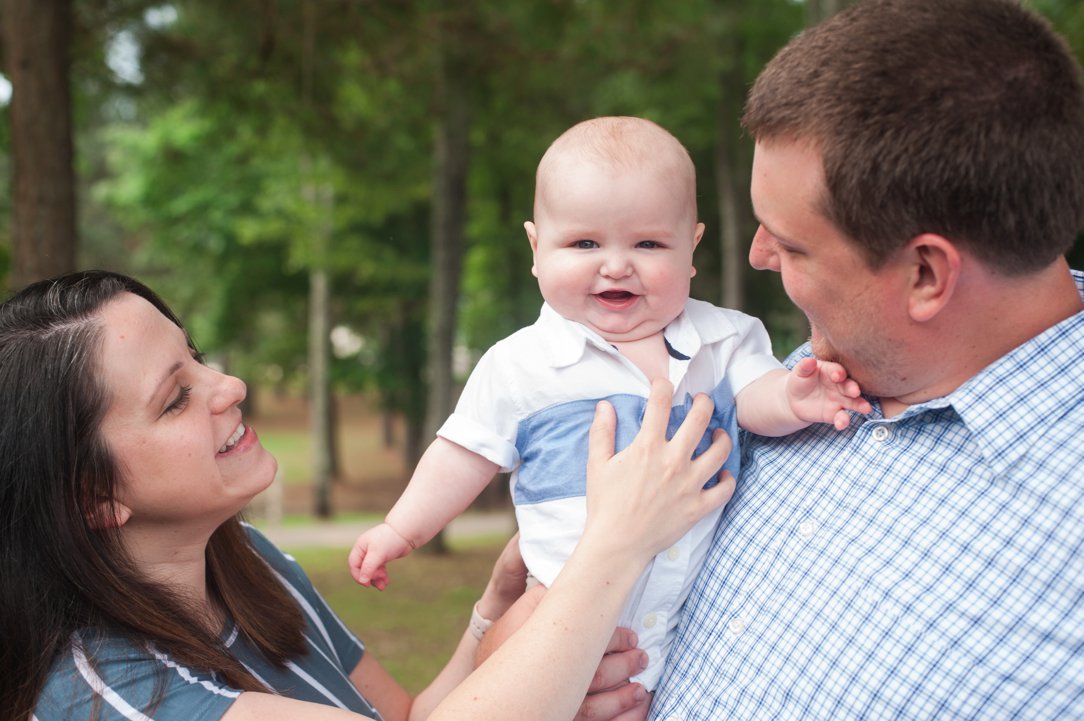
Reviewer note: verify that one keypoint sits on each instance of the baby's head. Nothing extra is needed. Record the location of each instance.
(615, 227)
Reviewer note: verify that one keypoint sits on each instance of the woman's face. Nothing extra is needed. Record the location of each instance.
(186, 461)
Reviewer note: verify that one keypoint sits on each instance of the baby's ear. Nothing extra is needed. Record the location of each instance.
(698, 234)
(102, 514)
(532, 238)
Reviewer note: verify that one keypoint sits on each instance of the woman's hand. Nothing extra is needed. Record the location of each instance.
(506, 583)
(647, 496)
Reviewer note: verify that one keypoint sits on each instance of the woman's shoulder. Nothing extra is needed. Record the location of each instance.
(126, 679)
(287, 568)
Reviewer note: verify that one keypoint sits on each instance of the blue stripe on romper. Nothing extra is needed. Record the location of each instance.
(552, 442)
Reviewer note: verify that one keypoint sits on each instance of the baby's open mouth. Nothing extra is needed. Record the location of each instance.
(615, 295)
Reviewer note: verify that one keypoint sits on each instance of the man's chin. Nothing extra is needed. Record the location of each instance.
(823, 349)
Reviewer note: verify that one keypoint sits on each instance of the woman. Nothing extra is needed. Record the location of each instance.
(131, 589)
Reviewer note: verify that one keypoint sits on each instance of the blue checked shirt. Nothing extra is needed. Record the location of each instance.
(927, 566)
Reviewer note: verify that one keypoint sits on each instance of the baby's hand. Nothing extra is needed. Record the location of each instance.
(372, 551)
(822, 392)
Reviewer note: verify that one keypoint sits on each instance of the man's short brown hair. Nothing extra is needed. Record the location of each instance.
(963, 118)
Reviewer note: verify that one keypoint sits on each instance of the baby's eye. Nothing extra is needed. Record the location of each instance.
(585, 244)
(649, 244)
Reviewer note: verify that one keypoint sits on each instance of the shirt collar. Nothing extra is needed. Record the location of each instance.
(695, 327)
(1013, 398)
(1023, 392)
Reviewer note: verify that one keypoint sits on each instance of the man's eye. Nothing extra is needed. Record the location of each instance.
(585, 244)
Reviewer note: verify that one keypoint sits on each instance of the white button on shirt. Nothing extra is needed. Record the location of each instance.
(881, 433)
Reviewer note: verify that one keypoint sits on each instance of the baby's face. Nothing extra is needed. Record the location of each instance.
(613, 249)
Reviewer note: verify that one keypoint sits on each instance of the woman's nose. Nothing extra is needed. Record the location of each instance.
(227, 392)
(762, 254)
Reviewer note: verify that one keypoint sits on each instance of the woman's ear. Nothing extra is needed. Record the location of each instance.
(102, 514)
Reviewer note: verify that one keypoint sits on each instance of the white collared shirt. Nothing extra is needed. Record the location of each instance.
(528, 406)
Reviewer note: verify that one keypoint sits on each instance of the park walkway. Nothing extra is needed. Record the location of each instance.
(341, 534)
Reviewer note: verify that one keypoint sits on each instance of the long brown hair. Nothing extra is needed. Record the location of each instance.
(59, 575)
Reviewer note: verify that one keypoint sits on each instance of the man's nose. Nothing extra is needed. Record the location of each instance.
(762, 253)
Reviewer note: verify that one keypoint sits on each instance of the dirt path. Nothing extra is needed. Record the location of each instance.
(341, 534)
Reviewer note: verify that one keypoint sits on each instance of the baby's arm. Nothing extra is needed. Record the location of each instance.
(814, 391)
(448, 477)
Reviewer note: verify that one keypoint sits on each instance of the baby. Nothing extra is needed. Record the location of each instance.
(615, 225)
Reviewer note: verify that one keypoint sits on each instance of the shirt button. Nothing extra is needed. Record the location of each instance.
(650, 620)
(881, 433)
(806, 529)
(736, 625)
(673, 553)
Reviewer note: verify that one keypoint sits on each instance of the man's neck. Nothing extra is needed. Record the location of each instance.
(993, 316)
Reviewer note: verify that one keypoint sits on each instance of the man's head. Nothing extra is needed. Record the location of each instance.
(615, 226)
(963, 118)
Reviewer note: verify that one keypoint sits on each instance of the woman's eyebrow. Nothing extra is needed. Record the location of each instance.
(163, 381)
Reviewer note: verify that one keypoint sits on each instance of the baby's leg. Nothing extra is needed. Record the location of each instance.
(507, 624)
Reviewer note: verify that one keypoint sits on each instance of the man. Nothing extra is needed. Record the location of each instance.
(918, 178)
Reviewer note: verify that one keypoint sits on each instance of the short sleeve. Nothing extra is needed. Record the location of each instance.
(486, 418)
(751, 355)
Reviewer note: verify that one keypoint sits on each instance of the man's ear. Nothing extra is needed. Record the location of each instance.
(532, 238)
(102, 514)
(935, 270)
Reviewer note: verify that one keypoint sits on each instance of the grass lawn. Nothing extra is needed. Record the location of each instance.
(414, 625)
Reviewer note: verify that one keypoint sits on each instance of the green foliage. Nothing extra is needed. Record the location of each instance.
(267, 139)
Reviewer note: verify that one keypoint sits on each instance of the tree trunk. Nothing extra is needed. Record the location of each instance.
(450, 162)
(727, 160)
(37, 36)
(318, 196)
(817, 10)
(318, 388)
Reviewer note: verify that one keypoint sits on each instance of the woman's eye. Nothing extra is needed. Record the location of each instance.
(585, 244)
(180, 401)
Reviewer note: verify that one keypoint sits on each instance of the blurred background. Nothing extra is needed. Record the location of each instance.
(331, 192)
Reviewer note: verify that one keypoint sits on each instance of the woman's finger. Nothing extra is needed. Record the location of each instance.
(688, 436)
(600, 438)
(657, 411)
(714, 456)
(609, 704)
